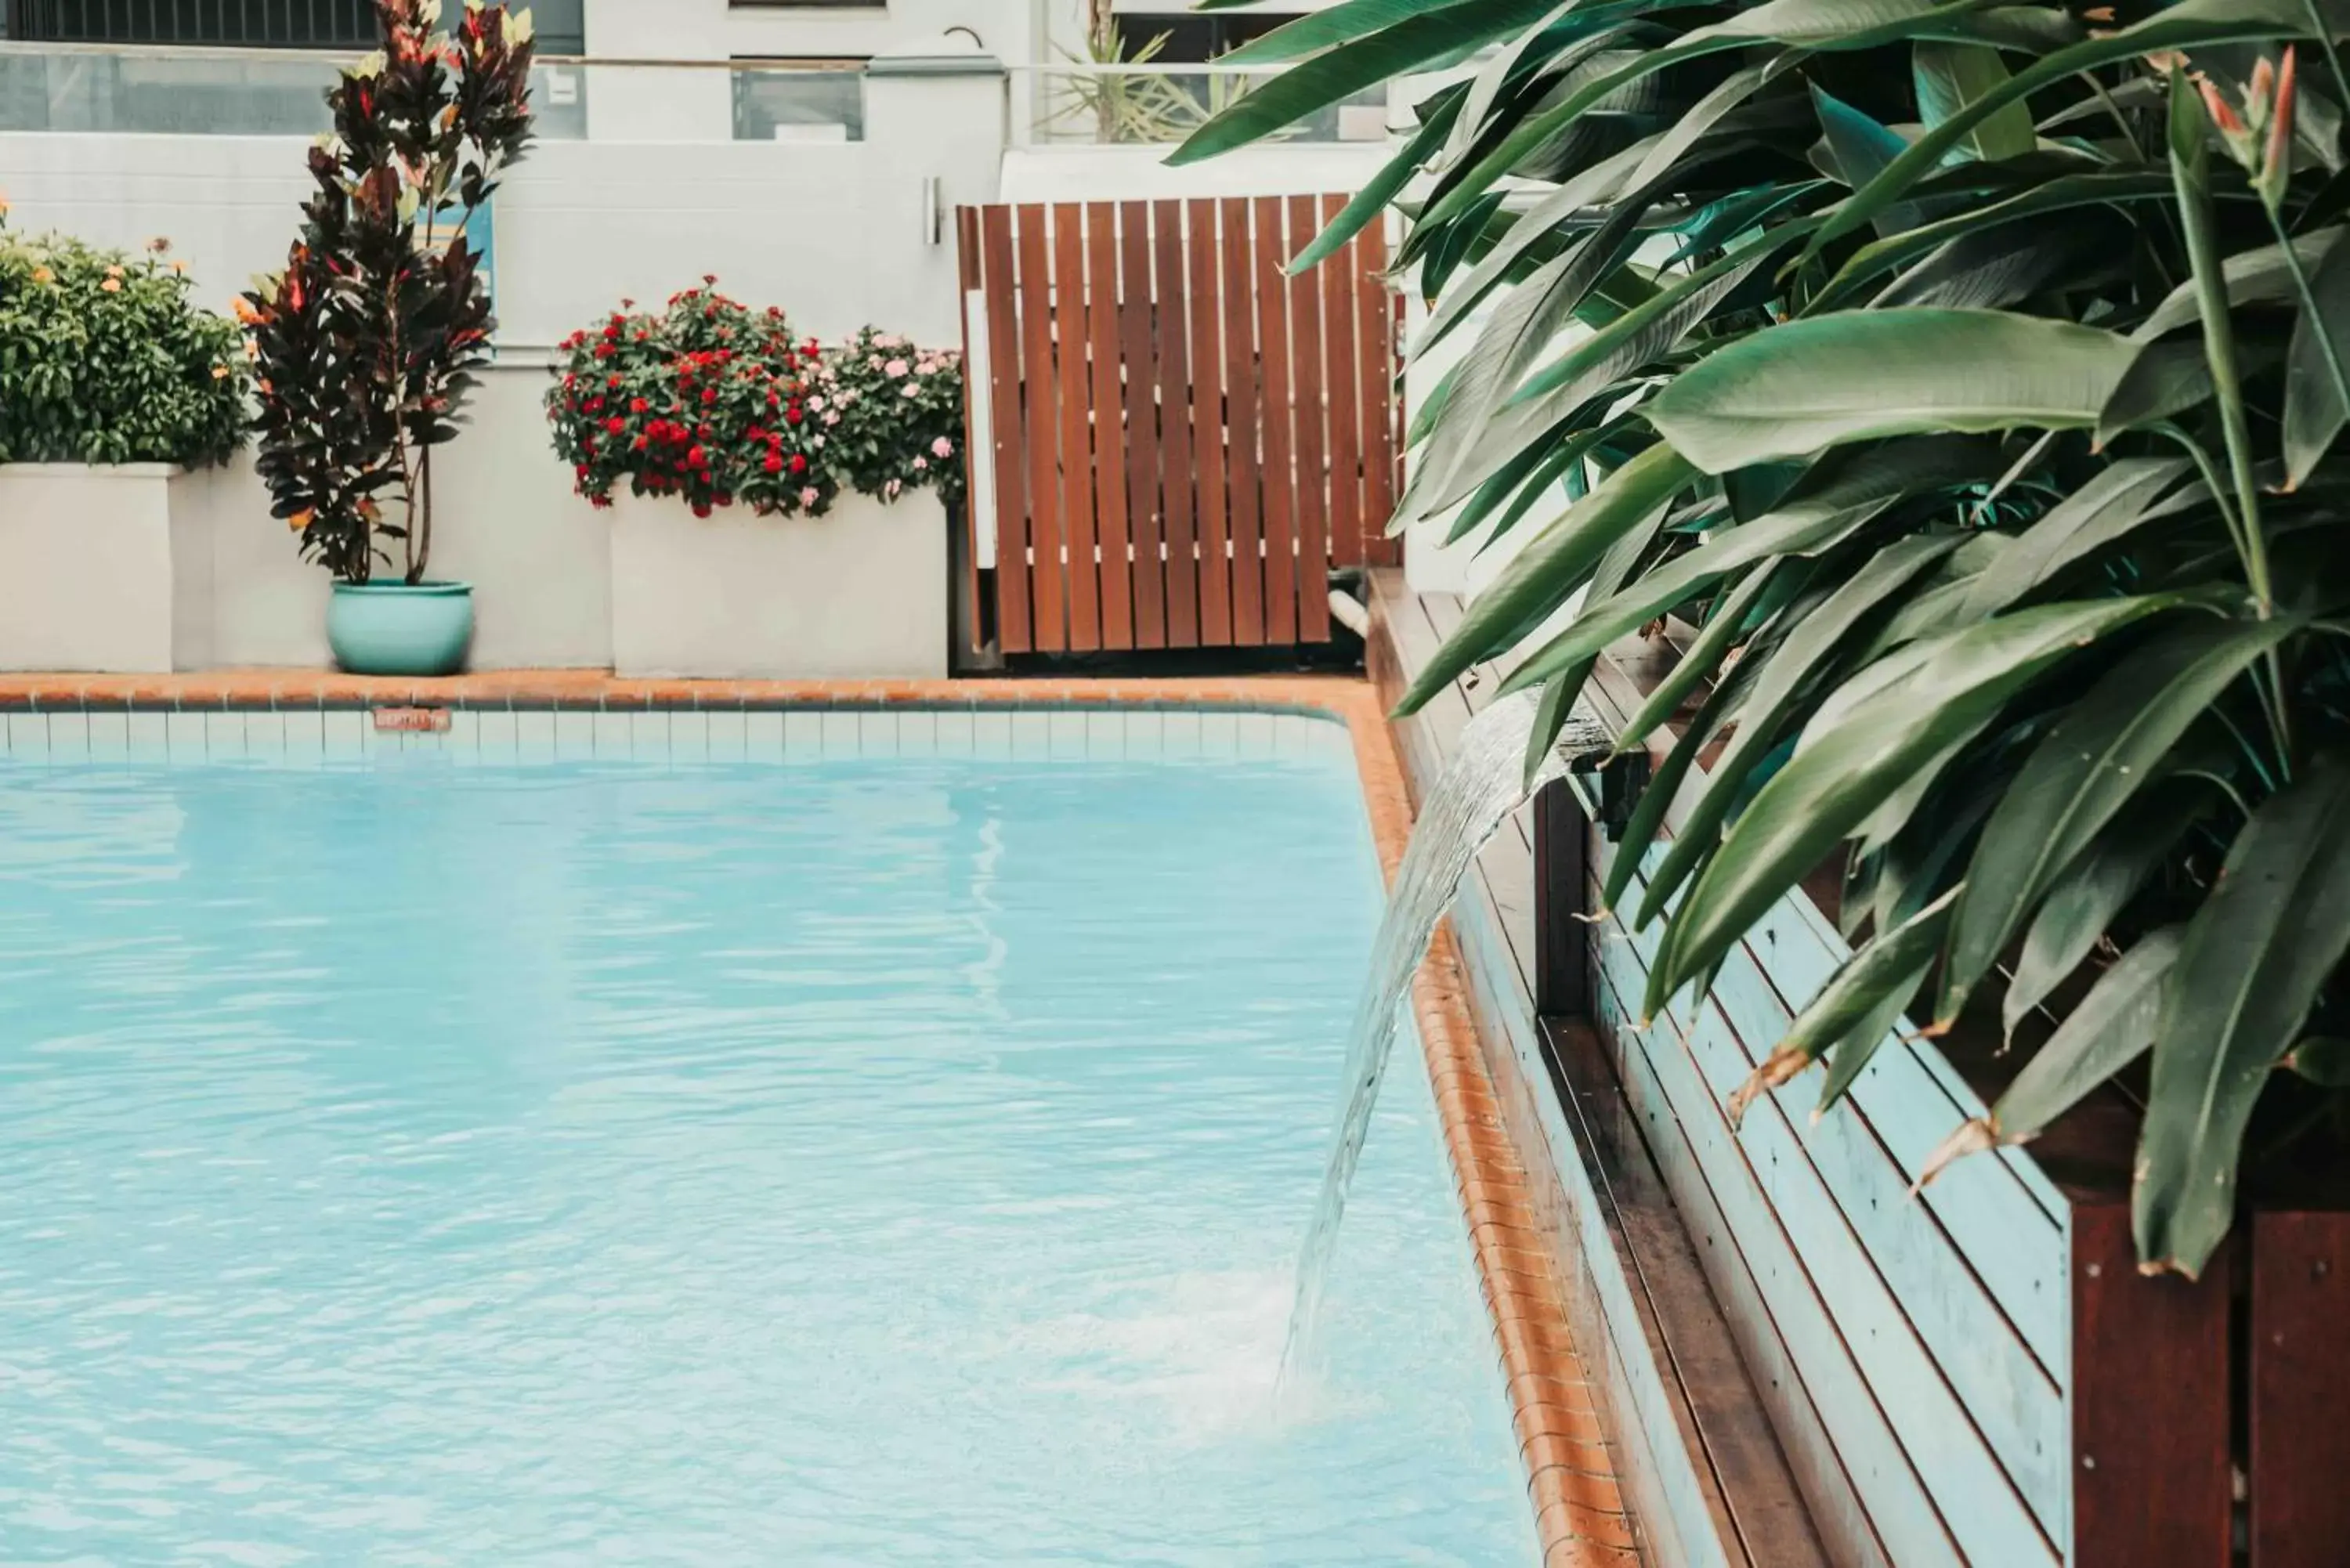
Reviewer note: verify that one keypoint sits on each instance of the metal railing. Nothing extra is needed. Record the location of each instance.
(177, 90)
(1154, 104)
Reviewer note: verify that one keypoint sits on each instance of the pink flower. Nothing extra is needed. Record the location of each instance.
(890, 489)
(808, 496)
(920, 464)
(895, 368)
(831, 418)
(816, 403)
(942, 448)
(911, 390)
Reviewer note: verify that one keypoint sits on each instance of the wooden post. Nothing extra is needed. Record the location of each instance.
(1562, 940)
(2299, 1378)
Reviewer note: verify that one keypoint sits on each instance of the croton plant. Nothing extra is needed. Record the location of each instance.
(365, 345)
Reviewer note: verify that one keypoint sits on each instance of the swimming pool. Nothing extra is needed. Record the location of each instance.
(544, 1142)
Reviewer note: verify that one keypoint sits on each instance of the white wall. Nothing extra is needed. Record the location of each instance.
(833, 234)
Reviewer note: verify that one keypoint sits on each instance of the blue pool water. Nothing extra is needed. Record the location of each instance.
(871, 1163)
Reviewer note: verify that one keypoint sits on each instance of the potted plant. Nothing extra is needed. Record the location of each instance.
(365, 346)
(778, 509)
(112, 381)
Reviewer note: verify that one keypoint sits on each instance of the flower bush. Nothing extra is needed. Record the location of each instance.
(104, 358)
(892, 416)
(706, 400)
(716, 404)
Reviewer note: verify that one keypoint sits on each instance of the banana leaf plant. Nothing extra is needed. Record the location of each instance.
(1970, 379)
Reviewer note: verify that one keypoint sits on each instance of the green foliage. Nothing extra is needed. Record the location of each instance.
(104, 358)
(1986, 370)
(892, 416)
(366, 345)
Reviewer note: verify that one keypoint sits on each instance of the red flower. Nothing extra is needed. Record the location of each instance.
(710, 394)
(603, 350)
(799, 462)
(637, 405)
(793, 414)
(774, 463)
(696, 457)
(613, 384)
(615, 425)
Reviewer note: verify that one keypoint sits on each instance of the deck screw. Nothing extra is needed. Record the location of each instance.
(2088, 1461)
(2095, 1270)
(2320, 1269)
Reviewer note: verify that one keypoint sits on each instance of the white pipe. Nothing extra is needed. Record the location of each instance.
(1349, 612)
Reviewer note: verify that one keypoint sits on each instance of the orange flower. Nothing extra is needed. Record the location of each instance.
(43, 275)
(300, 520)
(112, 286)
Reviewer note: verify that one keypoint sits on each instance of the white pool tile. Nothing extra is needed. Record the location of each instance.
(69, 736)
(727, 735)
(494, 734)
(802, 735)
(183, 735)
(28, 736)
(958, 731)
(110, 737)
(842, 735)
(612, 736)
(575, 734)
(148, 740)
(345, 732)
(877, 734)
(995, 734)
(264, 735)
(464, 739)
(1219, 733)
(535, 729)
(763, 737)
(1186, 734)
(1106, 735)
(918, 733)
(306, 735)
(1146, 733)
(1257, 735)
(224, 735)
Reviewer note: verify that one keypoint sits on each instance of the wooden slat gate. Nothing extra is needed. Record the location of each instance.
(1183, 441)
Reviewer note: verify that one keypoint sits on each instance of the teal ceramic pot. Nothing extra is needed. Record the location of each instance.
(393, 628)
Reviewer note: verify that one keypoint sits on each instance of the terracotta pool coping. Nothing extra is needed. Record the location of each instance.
(1580, 1514)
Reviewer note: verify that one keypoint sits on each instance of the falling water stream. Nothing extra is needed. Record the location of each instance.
(1482, 783)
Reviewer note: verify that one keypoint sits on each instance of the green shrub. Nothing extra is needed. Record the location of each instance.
(892, 415)
(104, 358)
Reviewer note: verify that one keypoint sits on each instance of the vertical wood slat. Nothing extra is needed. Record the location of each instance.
(2299, 1380)
(1077, 493)
(967, 278)
(1013, 620)
(2149, 1397)
(1108, 437)
(1376, 339)
(1141, 425)
(1207, 427)
(1172, 373)
(1047, 578)
(1280, 472)
(1242, 381)
(1305, 295)
(1342, 375)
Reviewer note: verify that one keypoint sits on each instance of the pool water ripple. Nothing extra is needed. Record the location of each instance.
(874, 1163)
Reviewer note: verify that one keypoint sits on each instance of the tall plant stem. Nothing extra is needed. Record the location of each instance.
(2333, 55)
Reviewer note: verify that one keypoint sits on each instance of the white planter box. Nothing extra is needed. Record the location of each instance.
(86, 567)
(858, 592)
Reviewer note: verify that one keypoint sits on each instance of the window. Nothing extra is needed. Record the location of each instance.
(1193, 39)
(799, 100)
(246, 24)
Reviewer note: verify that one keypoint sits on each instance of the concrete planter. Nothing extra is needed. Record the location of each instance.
(86, 567)
(858, 592)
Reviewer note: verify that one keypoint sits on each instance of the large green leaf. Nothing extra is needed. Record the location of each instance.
(1952, 686)
(1808, 24)
(1353, 66)
(1949, 76)
(1550, 568)
(2258, 276)
(2110, 1028)
(2087, 895)
(2315, 409)
(1855, 1010)
(1558, 698)
(2254, 955)
(2062, 193)
(2185, 25)
(1782, 676)
(1992, 269)
(1369, 202)
(2104, 509)
(1698, 661)
(2105, 747)
(1860, 149)
(1827, 379)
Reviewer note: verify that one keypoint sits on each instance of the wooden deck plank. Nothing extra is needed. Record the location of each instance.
(1310, 403)
(1110, 530)
(1241, 425)
(1171, 335)
(1342, 377)
(1138, 397)
(1273, 396)
(1208, 425)
(1047, 572)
